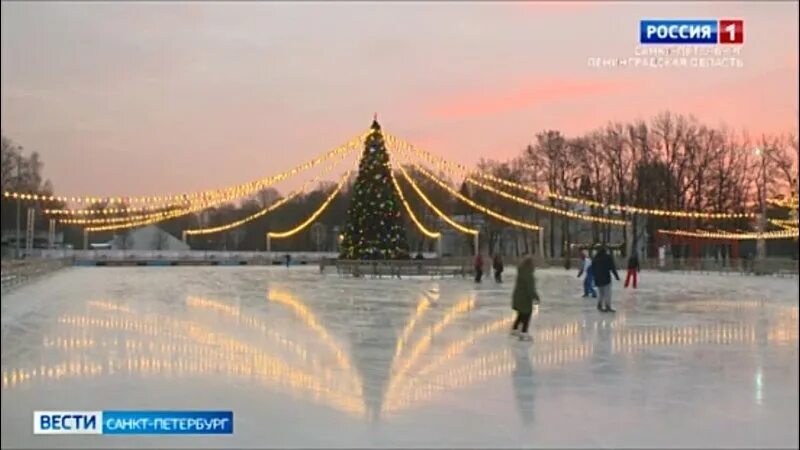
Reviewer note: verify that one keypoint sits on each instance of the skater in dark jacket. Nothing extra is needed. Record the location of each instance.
(633, 270)
(602, 268)
(497, 265)
(523, 298)
(478, 268)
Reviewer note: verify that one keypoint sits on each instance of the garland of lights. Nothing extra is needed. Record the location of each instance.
(433, 207)
(262, 212)
(180, 199)
(782, 234)
(786, 224)
(518, 199)
(791, 203)
(630, 209)
(313, 216)
(420, 226)
(155, 217)
(474, 205)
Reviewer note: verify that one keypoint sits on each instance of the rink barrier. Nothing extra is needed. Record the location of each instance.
(781, 267)
(18, 272)
(431, 267)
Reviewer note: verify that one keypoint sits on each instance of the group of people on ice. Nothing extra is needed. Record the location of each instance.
(596, 270)
(497, 266)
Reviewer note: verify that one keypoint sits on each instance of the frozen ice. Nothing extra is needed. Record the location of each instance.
(311, 360)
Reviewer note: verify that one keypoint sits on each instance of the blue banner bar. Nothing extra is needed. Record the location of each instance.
(167, 422)
(678, 32)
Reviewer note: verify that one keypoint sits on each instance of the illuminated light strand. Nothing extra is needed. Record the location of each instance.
(473, 204)
(107, 211)
(312, 217)
(267, 210)
(523, 200)
(420, 226)
(238, 190)
(630, 209)
(782, 234)
(786, 224)
(791, 203)
(433, 207)
(156, 217)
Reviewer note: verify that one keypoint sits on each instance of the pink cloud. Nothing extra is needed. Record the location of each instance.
(530, 94)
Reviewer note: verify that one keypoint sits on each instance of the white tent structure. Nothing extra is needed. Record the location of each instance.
(150, 237)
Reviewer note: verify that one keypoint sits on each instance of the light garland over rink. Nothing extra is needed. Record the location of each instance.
(442, 215)
(181, 199)
(109, 211)
(791, 203)
(782, 234)
(614, 207)
(420, 226)
(473, 204)
(462, 171)
(256, 215)
(314, 215)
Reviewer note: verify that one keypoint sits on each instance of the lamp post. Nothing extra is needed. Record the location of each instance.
(761, 249)
(18, 252)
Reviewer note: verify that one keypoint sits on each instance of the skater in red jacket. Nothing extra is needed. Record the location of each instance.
(633, 270)
(478, 268)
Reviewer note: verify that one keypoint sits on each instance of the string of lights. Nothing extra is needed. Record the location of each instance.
(264, 211)
(782, 234)
(181, 199)
(474, 205)
(433, 207)
(420, 226)
(785, 223)
(518, 199)
(116, 223)
(312, 217)
(434, 159)
(791, 203)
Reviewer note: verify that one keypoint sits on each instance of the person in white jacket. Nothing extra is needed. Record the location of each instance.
(588, 279)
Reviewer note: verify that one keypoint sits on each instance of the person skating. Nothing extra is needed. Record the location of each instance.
(602, 268)
(588, 278)
(523, 298)
(497, 265)
(478, 268)
(287, 259)
(633, 270)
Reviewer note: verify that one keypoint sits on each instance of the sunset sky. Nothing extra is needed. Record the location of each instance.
(147, 98)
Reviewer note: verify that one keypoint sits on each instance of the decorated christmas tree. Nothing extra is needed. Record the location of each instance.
(374, 227)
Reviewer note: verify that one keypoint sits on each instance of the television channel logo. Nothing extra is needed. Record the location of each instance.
(132, 422)
(691, 32)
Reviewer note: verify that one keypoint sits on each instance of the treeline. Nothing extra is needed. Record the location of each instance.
(670, 162)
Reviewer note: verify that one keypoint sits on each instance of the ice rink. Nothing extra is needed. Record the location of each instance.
(310, 360)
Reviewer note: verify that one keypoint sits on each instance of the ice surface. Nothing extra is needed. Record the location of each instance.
(310, 360)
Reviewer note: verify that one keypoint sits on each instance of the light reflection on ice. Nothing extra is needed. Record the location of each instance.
(323, 352)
